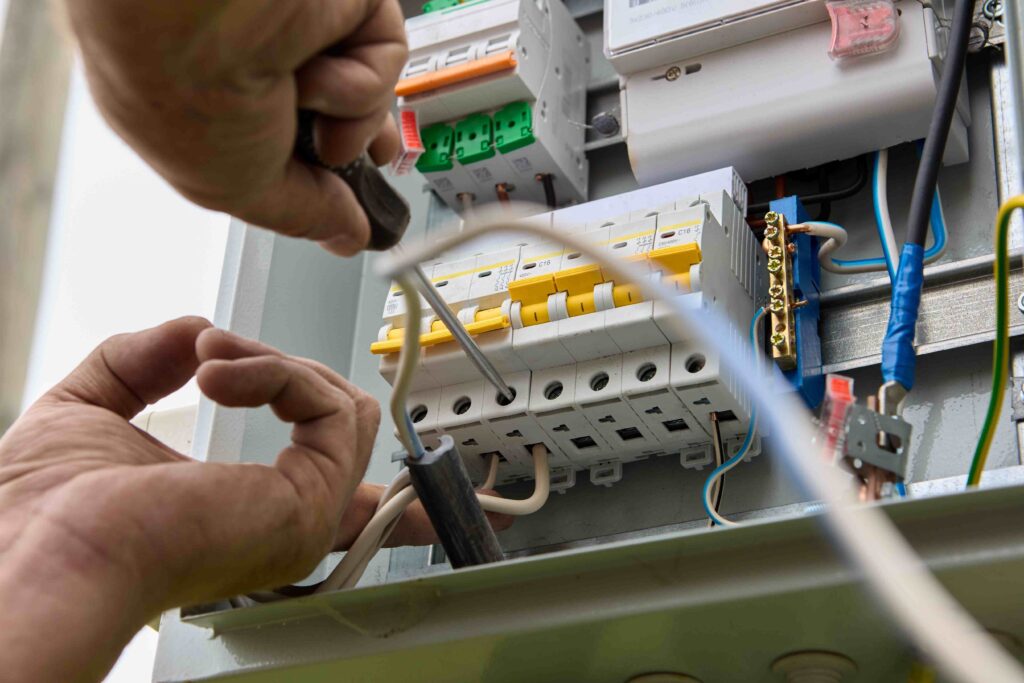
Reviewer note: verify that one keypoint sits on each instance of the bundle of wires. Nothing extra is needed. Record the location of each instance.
(883, 223)
(898, 357)
(720, 471)
(399, 494)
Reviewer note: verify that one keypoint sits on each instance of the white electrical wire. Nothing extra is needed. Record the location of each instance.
(408, 359)
(492, 473)
(937, 624)
(881, 195)
(375, 534)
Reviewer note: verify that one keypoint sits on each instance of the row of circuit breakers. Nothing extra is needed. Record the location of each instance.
(600, 376)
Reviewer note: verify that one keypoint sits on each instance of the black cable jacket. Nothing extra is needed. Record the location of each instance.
(833, 195)
(549, 189)
(942, 117)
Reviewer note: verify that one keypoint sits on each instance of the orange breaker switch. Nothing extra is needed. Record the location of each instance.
(532, 294)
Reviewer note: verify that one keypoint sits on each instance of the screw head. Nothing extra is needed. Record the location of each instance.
(778, 339)
(777, 305)
(771, 218)
(774, 265)
(775, 252)
(672, 73)
(775, 291)
(771, 232)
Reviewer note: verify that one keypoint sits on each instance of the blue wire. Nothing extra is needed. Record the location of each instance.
(901, 489)
(938, 225)
(417, 445)
(747, 440)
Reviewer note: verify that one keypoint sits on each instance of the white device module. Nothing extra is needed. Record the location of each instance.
(751, 83)
(499, 92)
(600, 376)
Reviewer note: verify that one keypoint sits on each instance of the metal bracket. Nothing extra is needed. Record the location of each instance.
(863, 428)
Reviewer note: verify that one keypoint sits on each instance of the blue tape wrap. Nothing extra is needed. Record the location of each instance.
(898, 357)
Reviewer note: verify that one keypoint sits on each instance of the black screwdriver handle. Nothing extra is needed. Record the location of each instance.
(387, 211)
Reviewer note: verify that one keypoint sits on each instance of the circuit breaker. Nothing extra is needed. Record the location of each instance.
(600, 376)
(756, 84)
(498, 92)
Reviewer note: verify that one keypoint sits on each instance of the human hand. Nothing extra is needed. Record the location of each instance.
(102, 526)
(207, 93)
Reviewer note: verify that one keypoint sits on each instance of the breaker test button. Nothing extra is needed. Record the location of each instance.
(862, 27)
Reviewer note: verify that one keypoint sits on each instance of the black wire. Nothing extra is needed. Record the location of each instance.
(721, 450)
(942, 117)
(549, 188)
(825, 210)
(833, 195)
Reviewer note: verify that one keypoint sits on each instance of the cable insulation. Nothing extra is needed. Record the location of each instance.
(1001, 345)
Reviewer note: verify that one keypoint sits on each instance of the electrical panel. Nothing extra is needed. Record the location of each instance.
(498, 92)
(600, 376)
(752, 84)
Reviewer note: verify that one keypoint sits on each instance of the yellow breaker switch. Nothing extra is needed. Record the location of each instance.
(677, 260)
(487, 320)
(532, 294)
(393, 344)
(578, 284)
(628, 294)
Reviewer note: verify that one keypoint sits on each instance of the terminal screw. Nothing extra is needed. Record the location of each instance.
(774, 265)
(771, 218)
(775, 291)
(672, 73)
(778, 339)
(777, 305)
(771, 232)
(775, 252)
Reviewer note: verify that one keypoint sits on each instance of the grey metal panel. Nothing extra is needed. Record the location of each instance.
(719, 605)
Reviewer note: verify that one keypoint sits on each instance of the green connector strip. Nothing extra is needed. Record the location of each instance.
(474, 139)
(437, 143)
(435, 5)
(513, 127)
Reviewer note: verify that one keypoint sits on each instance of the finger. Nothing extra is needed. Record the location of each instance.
(351, 86)
(342, 141)
(386, 145)
(312, 203)
(127, 372)
(321, 26)
(241, 372)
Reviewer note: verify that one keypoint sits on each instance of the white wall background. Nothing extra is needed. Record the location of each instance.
(125, 253)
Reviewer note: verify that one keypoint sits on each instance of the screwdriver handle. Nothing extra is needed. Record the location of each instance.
(387, 211)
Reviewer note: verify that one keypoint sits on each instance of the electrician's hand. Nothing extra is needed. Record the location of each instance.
(207, 93)
(102, 526)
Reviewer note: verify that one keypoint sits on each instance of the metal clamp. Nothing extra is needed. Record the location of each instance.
(865, 429)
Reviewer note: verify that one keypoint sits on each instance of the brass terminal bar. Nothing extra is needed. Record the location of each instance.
(780, 250)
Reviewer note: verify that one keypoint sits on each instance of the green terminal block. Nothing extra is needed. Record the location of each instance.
(513, 127)
(474, 139)
(435, 5)
(437, 143)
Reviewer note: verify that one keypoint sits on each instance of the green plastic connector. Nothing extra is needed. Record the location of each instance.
(437, 143)
(474, 139)
(513, 127)
(435, 5)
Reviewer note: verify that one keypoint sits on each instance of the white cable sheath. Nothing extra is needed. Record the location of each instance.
(937, 624)
(882, 197)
